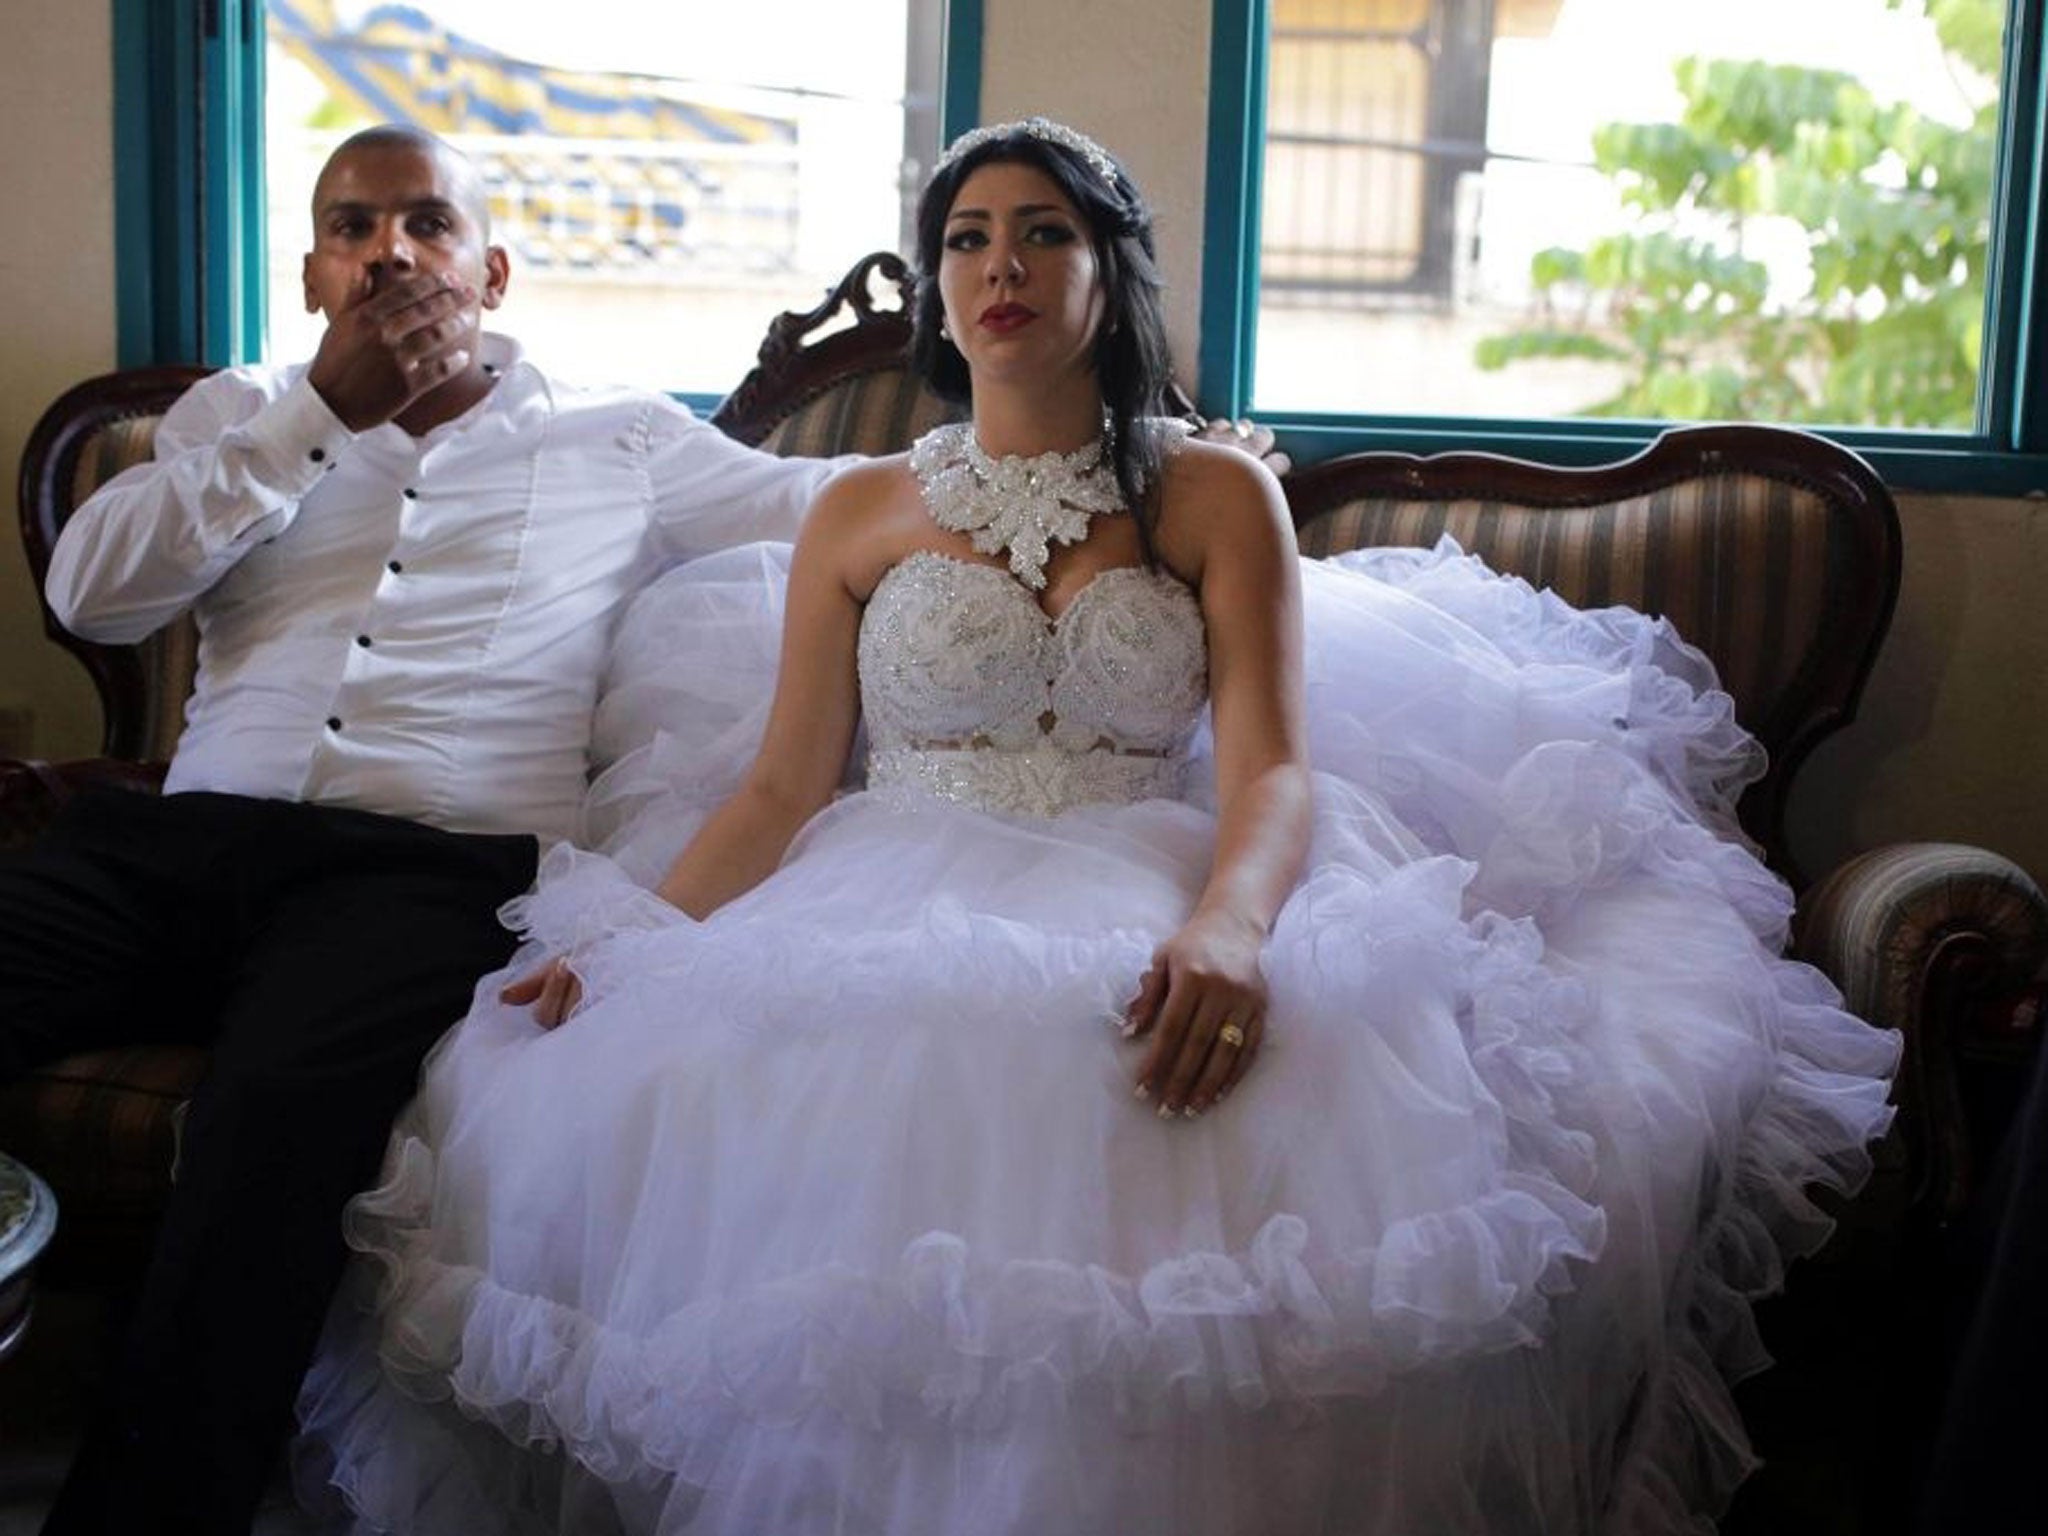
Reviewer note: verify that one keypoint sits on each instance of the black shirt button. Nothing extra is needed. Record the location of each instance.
(394, 566)
(411, 494)
(318, 455)
(363, 641)
(334, 722)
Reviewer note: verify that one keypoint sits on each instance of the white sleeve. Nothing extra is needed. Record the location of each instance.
(711, 492)
(231, 466)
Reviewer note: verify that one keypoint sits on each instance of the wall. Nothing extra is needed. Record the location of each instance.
(1949, 743)
(1952, 740)
(1132, 75)
(56, 313)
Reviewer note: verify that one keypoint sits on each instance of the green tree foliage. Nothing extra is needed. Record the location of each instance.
(1895, 213)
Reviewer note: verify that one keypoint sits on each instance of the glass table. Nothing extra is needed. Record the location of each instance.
(28, 1215)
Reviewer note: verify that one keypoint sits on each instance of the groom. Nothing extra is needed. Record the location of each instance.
(405, 557)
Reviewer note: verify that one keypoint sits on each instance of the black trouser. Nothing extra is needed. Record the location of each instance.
(1982, 1477)
(319, 953)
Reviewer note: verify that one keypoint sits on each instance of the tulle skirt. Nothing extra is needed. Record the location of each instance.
(836, 1213)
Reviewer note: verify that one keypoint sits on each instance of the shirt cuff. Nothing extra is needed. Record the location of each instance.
(295, 440)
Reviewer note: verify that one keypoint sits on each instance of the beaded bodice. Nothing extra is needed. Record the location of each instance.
(971, 693)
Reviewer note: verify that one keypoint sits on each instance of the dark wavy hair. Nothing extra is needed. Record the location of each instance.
(1132, 363)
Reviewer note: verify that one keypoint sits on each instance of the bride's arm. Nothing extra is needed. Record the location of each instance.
(803, 747)
(810, 724)
(1226, 526)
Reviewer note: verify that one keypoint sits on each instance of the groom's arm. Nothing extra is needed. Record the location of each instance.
(710, 492)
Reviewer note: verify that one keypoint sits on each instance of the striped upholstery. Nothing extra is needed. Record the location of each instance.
(102, 1130)
(874, 413)
(110, 450)
(1874, 922)
(101, 1125)
(1775, 552)
(1946, 943)
(1740, 564)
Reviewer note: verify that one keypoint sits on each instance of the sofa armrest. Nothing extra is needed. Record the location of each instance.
(31, 790)
(1941, 941)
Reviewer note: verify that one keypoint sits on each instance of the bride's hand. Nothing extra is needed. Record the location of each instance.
(553, 990)
(1203, 1003)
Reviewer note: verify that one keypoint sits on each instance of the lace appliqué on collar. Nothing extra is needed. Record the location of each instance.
(1017, 505)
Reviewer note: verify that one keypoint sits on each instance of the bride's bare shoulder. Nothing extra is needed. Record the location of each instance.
(1212, 497)
(870, 494)
(1198, 469)
(867, 517)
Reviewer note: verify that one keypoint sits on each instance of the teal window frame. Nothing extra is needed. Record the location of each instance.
(188, 169)
(188, 160)
(2006, 455)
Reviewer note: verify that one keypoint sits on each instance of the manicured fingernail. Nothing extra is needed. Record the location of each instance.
(1144, 1091)
(1129, 1027)
(1166, 1111)
(1188, 1111)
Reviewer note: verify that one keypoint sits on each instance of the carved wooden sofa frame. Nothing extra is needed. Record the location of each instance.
(1774, 551)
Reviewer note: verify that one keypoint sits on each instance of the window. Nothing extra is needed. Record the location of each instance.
(1548, 226)
(663, 177)
(1375, 121)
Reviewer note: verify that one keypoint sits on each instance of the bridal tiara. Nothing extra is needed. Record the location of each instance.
(1038, 128)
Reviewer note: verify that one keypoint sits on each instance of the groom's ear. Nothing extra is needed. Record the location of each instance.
(497, 275)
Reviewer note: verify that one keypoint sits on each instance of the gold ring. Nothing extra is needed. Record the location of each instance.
(1231, 1035)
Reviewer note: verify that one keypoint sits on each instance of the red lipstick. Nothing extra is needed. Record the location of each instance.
(1007, 317)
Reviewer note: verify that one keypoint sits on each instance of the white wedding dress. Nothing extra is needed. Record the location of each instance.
(835, 1213)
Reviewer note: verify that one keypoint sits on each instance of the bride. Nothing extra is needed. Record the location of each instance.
(1179, 1084)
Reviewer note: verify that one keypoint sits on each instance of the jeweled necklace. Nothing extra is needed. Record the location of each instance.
(1016, 504)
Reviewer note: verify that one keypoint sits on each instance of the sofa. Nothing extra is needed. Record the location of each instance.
(1775, 551)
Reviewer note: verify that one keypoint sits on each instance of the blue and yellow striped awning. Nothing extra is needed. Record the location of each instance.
(400, 65)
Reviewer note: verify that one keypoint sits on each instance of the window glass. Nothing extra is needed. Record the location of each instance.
(664, 177)
(1640, 208)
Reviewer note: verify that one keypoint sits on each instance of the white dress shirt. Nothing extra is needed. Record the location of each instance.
(415, 626)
